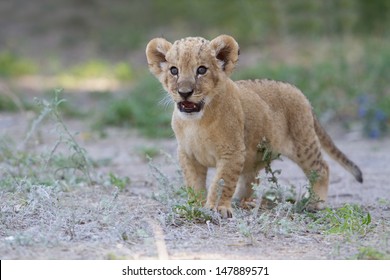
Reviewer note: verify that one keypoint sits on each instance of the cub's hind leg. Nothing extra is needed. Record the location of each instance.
(309, 157)
(244, 189)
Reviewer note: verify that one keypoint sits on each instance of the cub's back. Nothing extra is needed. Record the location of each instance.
(277, 95)
(278, 110)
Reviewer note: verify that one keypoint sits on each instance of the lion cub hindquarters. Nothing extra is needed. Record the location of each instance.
(281, 115)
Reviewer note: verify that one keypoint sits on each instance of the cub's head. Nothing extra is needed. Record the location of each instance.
(192, 70)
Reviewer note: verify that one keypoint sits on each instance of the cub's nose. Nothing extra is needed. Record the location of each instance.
(185, 92)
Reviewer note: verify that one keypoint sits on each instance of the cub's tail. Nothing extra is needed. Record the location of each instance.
(329, 147)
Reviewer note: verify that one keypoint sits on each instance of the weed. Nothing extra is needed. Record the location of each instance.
(310, 197)
(118, 182)
(267, 156)
(66, 163)
(69, 108)
(349, 220)
(273, 192)
(78, 157)
(191, 209)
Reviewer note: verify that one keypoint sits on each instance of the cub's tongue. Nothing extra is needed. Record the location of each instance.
(188, 105)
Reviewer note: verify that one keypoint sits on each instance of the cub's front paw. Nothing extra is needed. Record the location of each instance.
(226, 212)
(223, 210)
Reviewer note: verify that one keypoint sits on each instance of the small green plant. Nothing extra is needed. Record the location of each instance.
(267, 156)
(67, 107)
(310, 197)
(276, 192)
(349, 220)
(78, 157)
(270, 189)
(191, 208)
(120, 183)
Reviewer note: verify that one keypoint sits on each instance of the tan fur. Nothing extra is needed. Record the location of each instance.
(234, 118)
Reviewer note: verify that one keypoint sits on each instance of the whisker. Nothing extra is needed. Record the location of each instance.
(166, 101)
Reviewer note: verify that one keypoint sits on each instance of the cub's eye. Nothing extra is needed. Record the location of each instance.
(201, 70)
(174, 70)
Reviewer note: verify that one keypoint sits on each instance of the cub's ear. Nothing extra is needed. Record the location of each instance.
(155, 54)
(226, 51)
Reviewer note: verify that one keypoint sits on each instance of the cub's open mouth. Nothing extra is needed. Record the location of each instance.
(190, 107)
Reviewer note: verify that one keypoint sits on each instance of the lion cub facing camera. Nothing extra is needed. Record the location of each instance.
(220, 123)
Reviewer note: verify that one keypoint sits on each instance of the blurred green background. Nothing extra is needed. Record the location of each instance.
(336, 52)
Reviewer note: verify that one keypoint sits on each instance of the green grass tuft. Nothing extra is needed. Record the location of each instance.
(191, 208)
(349, 220)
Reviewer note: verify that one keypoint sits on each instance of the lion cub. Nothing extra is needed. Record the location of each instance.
(220, 123)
